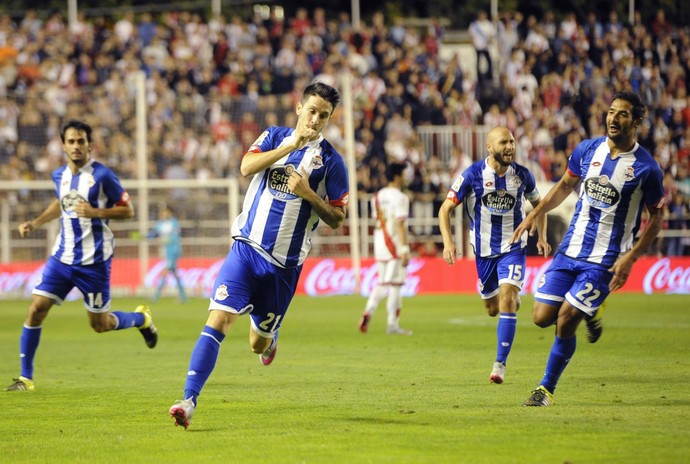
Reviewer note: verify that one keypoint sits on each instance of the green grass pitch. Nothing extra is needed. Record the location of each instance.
(334, 395)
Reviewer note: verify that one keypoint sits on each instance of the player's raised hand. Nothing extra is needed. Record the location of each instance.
(303, 135)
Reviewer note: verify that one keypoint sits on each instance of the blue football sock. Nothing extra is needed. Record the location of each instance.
(505, 334)
(28, 343)
(561, 352)
(128, 320)
(202, 362)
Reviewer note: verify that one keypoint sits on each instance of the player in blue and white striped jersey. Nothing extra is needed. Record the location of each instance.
(617, 179)
(299, 179)
(88, 196)
(493, 192)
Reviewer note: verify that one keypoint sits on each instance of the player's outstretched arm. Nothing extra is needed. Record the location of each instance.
(543, 247)
(48, 214)
(555, 197)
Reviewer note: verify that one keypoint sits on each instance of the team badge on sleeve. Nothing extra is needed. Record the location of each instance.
(457, 184)
(260, 140)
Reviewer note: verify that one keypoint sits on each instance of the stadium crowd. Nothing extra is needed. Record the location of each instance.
(213, 84)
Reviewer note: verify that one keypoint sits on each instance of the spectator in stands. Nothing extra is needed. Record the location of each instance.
(508, 37)
(661, 28)
(424, 192)
(483, 34)
(37, 63)
(678, 221)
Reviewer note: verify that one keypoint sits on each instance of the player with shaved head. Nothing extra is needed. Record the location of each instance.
(493, 191)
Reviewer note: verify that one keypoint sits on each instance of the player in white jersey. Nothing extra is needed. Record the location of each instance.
(88, 196)
(299, 179)
(390, 207)
(493, 192)
(617, 177)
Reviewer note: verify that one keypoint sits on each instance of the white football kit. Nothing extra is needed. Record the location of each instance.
(389, 206)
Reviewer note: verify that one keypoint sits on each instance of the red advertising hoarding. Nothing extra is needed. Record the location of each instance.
(336, 276)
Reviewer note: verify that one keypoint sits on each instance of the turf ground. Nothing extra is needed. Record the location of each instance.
(336, 396)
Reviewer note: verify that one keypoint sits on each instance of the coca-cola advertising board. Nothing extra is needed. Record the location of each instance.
(337, 276)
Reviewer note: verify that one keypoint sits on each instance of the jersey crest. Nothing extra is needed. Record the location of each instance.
(70, 201)
(278, 182)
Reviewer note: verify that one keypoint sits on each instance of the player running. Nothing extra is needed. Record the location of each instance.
(88, 195)
(299, 179)
(617, 177)
(493, 191)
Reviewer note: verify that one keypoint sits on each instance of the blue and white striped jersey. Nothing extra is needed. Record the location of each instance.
(277, 222)
(494, 205)
(84, 241)
(612, 192)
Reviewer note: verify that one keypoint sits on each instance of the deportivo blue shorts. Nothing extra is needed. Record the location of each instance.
(248, 283)
(508, 268)
(585, 285)
(93, 281)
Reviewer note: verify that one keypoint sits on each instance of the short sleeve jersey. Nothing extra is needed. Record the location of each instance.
(274, 220)
(85, 241)
(612, 193)
(494, 205)
(389, 206)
